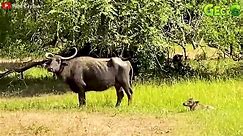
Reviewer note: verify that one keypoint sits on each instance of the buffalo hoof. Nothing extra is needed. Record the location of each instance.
(118, 106)
(81, 106)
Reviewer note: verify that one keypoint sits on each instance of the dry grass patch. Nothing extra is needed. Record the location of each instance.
(82, 123)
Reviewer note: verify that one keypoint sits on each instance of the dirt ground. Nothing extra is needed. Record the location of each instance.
(82, 123)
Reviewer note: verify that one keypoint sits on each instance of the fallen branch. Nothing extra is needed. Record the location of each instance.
(23, 68)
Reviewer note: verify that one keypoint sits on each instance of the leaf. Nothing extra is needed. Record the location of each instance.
(52, 11)
(76, 28)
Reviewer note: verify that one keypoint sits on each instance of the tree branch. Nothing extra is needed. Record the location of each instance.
(22, 69)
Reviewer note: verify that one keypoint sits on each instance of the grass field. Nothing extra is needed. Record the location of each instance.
(39, 107)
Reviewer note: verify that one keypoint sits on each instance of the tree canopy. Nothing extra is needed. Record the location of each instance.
(148, 27)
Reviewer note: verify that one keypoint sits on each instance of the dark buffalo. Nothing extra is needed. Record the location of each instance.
(84, 74)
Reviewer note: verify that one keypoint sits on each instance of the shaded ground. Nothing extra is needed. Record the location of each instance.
(81, 123)
(31, 87)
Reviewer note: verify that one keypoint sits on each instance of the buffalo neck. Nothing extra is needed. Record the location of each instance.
(64, 70)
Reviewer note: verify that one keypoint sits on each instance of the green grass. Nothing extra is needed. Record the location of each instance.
(159, 100)
(149, 98)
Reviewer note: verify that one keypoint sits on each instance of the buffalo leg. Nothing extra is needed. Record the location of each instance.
(129, 95)
(120, 95)
(130, 89)
(128, 92)
(81, 94)
(81, 98)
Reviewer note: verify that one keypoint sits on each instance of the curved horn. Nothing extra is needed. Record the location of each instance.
(49, 55)
(67, 58)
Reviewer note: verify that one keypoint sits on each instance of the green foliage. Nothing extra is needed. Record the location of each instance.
(148, 27)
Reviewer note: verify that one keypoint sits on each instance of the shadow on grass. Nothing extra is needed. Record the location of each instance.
(14, 87)
(38, 81)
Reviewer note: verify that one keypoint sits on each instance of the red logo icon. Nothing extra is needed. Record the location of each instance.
(6, 5)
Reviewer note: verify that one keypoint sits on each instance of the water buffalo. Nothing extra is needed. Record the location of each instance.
(84, 74)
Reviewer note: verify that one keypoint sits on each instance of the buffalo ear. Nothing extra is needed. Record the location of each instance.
(64, 63)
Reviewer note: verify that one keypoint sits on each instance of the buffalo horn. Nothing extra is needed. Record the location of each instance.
(70, 57)
(49, 55)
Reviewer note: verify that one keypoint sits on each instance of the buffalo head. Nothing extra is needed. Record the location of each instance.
(56, 61)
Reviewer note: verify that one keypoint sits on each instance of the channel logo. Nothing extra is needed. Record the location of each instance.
(216, 10)
(6, 5)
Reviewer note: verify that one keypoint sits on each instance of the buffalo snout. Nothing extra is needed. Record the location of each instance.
(50, 69)
(44, 65)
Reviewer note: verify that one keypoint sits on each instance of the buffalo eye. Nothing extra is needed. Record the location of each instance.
(58, 60)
